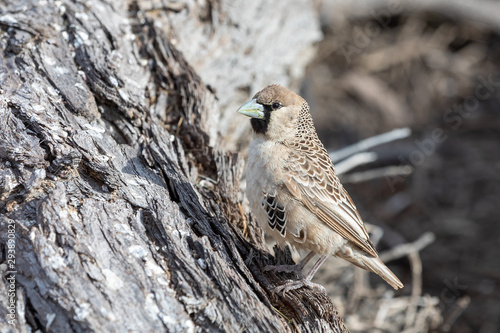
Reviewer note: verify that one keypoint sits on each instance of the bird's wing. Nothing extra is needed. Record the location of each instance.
(276, 215)
(311, 179)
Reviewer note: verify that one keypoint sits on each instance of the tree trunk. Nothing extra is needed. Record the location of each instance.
(120, 207)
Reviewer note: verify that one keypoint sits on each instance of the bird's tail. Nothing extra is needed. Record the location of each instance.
(373, 264)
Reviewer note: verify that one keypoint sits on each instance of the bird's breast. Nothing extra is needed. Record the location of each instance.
(264, 171)
(266, 160)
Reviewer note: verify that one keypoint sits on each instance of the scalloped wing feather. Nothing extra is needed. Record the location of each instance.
(312, 180)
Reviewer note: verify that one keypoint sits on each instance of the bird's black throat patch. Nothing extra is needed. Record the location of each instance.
(260, 125)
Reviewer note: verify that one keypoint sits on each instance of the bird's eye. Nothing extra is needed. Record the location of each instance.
(276, 106)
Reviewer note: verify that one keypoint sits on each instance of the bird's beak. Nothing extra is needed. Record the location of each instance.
(252, 109)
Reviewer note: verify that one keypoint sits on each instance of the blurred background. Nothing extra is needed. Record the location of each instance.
(433, 68)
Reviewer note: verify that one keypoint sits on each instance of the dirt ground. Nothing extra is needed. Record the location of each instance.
(439, 75)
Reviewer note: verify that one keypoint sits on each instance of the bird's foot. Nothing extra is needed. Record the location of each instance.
(296, 284)
(297, 269)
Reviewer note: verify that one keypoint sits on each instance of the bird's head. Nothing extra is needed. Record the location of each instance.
(276, 112)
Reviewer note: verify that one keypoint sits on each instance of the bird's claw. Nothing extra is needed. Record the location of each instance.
(296, 284)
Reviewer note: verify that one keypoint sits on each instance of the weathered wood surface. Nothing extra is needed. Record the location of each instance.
(111, 169)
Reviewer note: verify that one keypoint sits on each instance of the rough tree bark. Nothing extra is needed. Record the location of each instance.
(124, 207)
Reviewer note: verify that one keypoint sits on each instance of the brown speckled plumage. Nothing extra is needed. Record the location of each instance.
(312, 179)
